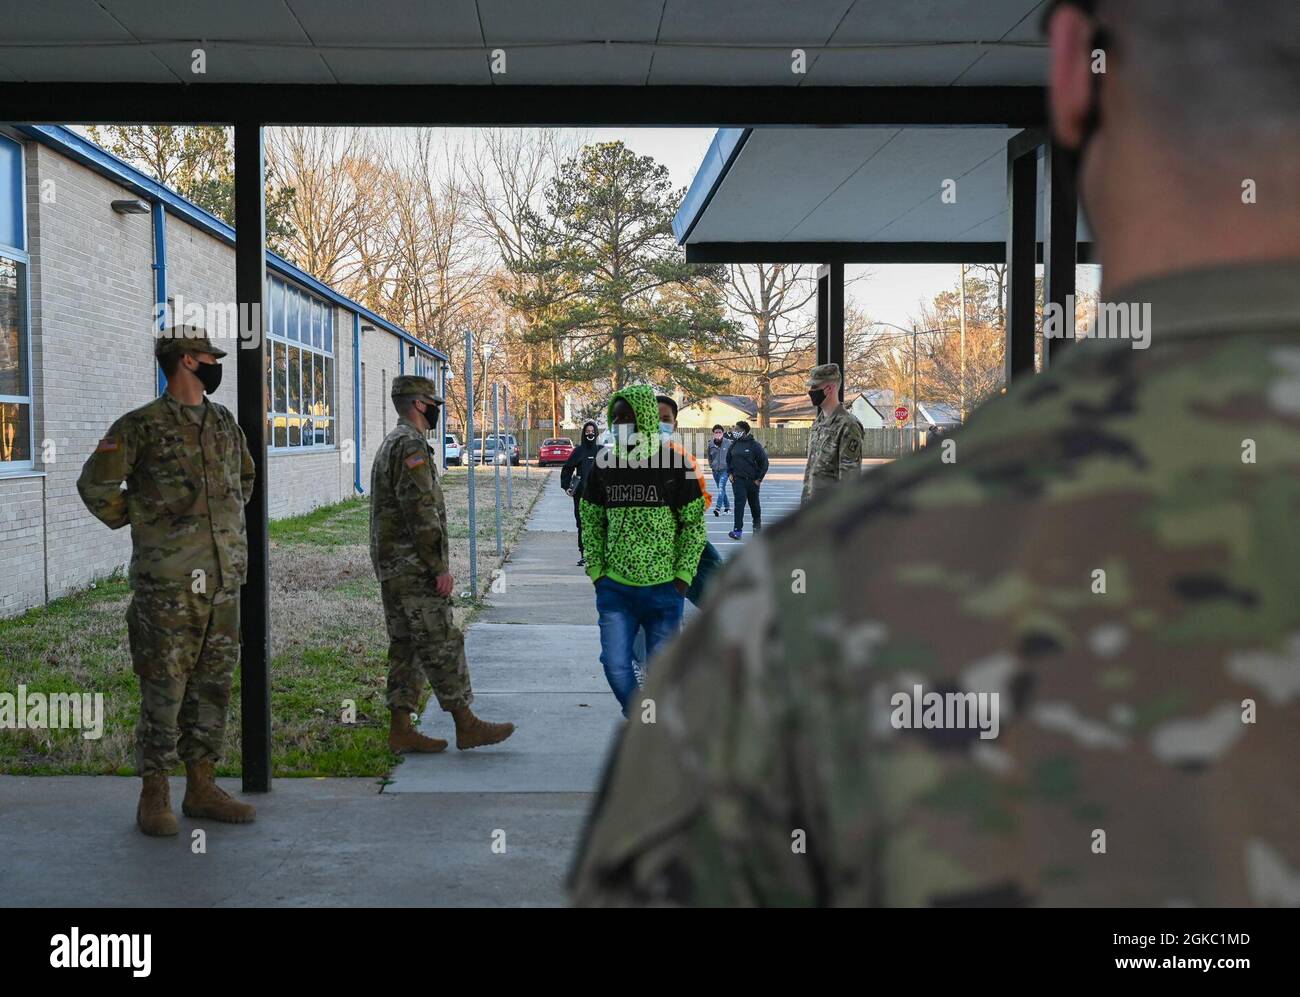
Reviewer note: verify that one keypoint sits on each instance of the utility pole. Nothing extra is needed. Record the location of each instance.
(510, 494)
(496, 461)
(914, 398)
(468, 452)
(962, 409)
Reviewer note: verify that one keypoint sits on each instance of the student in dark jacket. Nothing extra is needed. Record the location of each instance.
(574, 474)
(747, 465)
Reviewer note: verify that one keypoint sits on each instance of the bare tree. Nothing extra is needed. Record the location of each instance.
(771, 300)
(505, 182)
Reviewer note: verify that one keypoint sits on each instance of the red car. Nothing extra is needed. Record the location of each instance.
(555, 451)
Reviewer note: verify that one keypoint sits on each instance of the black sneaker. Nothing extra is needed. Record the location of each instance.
(717, 511)
(582, 562)
(758, 529)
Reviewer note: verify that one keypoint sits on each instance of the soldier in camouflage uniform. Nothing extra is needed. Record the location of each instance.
(408, 547)
(1113, 552)
(835, 441)
(188, 474)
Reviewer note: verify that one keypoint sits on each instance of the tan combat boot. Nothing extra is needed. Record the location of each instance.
(471, 732)
(204, 798)
(154, 814)
(403, 737)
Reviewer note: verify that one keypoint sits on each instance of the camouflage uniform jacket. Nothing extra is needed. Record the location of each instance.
(185, 493)
(1115, 552)
(408, 515)
(834, 451)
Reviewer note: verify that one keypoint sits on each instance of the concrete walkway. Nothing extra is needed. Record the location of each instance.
(431, 837)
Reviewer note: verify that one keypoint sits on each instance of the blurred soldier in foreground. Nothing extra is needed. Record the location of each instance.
(188, 474)
(408, 547)
(835, 441)
(1112, 563)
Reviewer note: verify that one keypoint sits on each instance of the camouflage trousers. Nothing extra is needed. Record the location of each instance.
(423, 642)
(184, 648)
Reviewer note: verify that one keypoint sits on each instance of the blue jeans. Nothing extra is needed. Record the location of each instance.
(720, 480)
(622, 610)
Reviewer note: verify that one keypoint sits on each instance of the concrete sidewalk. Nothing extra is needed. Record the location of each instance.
(427, 839)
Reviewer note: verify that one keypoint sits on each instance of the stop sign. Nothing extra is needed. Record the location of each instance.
(900, 413)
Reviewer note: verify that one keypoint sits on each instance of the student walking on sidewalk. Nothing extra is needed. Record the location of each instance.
(574, 474)
(643, 532)
(718, 447)
(747, 465)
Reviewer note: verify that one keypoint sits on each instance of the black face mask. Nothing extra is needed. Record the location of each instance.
(590, 437)
(209, 374)
(818, 396)
(431, 416)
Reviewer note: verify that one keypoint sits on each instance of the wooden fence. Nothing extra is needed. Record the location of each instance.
(885, 442)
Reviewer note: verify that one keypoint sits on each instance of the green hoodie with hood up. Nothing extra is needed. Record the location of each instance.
(642, 510)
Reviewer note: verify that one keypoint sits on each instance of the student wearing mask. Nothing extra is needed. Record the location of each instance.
(574, 474)
(643, 533)
(747, 464)
(718, 447)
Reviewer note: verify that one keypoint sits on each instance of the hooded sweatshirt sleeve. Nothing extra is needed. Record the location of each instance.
(595, 520)
(692, 534)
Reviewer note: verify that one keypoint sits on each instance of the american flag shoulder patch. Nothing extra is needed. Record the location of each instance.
(414, 461)
(107, 445)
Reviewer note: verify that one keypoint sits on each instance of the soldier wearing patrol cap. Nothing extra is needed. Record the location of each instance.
(835, 442)
(408, 547)
(188, 474)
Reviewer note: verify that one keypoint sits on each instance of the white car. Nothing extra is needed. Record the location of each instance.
(453, 449)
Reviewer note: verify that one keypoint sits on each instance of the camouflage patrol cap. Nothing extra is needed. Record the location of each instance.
(189, 338)
(823, 373)
(412, 384)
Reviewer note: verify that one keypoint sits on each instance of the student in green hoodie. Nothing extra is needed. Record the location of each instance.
(643, 533)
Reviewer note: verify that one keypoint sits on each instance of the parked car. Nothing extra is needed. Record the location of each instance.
(511, 445)
(493, 455)
(453, 448)
(554, 451)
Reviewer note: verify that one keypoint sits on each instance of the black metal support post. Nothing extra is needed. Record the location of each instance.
(1022, 202)
(1060, 242)
(250, 368)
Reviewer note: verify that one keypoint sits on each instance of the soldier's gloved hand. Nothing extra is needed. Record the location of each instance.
(443, 584)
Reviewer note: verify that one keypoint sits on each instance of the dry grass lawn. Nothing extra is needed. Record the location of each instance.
(328, 645)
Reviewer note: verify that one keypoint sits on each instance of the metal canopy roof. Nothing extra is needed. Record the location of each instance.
(591, 42)
(799, 186)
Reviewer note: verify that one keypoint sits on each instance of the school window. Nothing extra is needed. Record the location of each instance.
(300, 377)
(15, 358)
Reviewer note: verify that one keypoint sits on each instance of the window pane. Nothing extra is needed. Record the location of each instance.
(318, 384)
(291, 309)
(329, 432)
(15, 431)
(13, 338)
(317, 334)
(295, 432)
(329, 387)
(277, 308)
(329, 329)
(280, 402)
(281, 432)
(295, 379)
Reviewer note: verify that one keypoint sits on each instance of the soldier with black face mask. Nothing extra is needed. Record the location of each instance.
(574, 474)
